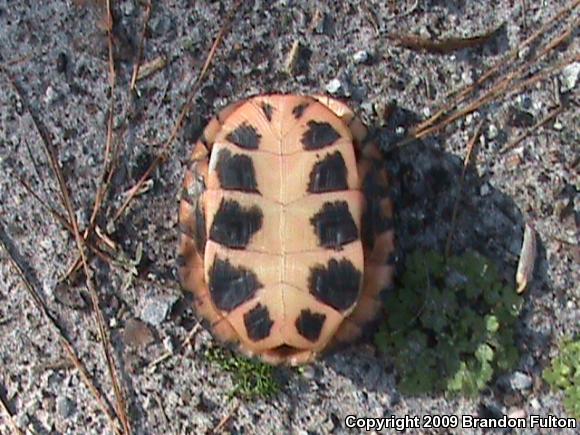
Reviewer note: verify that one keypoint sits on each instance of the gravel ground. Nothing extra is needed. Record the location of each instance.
(57, 51)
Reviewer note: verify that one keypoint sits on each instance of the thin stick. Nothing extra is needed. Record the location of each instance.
(99, 319)
(470, 151)
(66, 224)
(108, 167)
(225, 419)
(532, 129)
(498, 90)
(184, 111)
(141, 44)
(165, 356)
(58, 330)
(469, 89)
(10, 418)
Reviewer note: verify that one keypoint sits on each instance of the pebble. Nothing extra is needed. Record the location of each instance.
(484, 190)
(64, 406)
(50, 96)
(137, 334)
(517, 413)
(492, 132)
(308, 372)
(333, 86)
(168, 344)
(558, 126)
(569, 77)
(467, 77)
(520, 381)
(361, 56)
(156, 309)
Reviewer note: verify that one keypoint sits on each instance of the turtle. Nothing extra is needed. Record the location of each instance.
(286, 227)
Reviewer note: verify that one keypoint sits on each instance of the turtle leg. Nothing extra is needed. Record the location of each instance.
(193, 232)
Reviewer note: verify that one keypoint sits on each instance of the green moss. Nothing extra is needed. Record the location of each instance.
(564, 374)
(450, 324)
(252, 379)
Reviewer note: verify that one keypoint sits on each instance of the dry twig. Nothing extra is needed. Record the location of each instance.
(532, 129)
(184, 111)
(468, 90)
(58, 330)
(9, 417)
(443, 46)
(64, 194)
(470, 152)
(141, 45)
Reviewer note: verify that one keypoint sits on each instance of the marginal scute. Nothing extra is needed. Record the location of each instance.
(319, 135)
(236, 172)
(338, 284)
(245, 136)
(233, 225)
(329, 175)
(258, 322)
(231, 286)
(334, 225)
(309, 324)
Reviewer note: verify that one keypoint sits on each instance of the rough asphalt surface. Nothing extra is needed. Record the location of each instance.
(57, 52)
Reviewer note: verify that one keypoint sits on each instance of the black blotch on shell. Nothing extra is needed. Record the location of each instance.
(233, 226)
(258, 322)
(236, 172)
(268, 110)
(328, 175)
(319, 135)
(337, 284)
(245, 136)
(231, 286)
(298, 111)
(309, 324)
(334, 225)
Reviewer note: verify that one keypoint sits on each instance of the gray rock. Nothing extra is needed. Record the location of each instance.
(520, 381)
(156, 309)
(361, 56)
(333, 86)
(569, 76)
(65, 407)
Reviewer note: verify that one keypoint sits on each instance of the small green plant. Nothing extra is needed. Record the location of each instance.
(450, 324)
(252, 379)
(564, 374)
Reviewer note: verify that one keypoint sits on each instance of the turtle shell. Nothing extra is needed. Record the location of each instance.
(286, 227)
